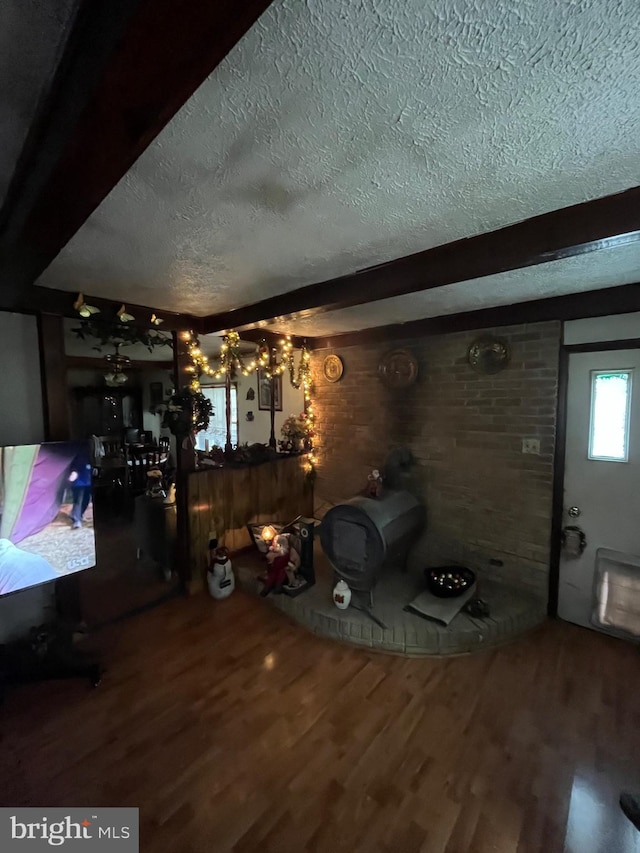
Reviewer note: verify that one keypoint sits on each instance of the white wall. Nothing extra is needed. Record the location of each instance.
(22, 422)
(616, 327)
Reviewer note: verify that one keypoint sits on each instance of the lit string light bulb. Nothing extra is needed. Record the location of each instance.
(199, 362)
(230, 361)
(302, 378)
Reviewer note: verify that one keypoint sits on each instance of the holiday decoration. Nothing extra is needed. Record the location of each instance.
(83, 309)
(220, 577)
(284, 561)
(374, 484)
(272, 363)
(187, 411)
(296, 431)
(230, 361)
(109, 331)
(449, 581)
(155, 486)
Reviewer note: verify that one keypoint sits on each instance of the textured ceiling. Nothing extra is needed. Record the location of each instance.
(32, 34)
(606, 268)
(339, 135)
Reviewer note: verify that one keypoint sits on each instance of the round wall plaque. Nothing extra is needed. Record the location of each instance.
(333, 368)
(488, 355)
(398, 369)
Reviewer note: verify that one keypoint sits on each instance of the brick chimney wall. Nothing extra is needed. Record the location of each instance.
(486, 499)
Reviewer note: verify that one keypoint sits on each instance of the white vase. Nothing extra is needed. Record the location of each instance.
(341, 595)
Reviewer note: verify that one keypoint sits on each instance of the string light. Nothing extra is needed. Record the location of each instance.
(299, 378)
(230, 362)
(199, 361)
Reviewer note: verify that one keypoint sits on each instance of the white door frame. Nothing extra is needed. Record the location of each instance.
(557, 514)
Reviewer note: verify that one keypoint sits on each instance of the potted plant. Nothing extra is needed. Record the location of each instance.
(296, 433)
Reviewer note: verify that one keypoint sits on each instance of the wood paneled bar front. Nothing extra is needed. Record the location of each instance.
(228, 498)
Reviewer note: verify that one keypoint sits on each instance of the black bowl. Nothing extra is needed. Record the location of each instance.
(449, 581)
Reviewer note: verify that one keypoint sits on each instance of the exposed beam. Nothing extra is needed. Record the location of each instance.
(155, 55)
(602, 223)
(86, 362)
(270, 337)
(92, 34)
(45, 300)
(593, 303)
(53, 377)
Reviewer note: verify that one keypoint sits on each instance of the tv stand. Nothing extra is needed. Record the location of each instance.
(43, 656)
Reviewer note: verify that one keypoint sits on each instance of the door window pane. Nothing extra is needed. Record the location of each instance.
(610, 404)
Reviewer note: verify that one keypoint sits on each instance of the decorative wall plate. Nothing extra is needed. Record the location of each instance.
(398, 369)
(488, 355)
(333, 368)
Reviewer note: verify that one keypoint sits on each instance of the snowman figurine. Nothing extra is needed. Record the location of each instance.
(220, 577)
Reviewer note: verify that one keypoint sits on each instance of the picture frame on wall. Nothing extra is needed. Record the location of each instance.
(264, 392)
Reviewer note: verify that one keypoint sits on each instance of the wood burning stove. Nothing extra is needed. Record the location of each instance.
(364, 534)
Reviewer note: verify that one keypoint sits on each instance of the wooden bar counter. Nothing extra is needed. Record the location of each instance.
(227, 498)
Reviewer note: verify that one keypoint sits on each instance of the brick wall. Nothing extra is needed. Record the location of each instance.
(485, 498)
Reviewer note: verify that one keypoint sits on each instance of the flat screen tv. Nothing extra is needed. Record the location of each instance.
(46, 513)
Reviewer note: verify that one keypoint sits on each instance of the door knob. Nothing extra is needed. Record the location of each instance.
(573, 511)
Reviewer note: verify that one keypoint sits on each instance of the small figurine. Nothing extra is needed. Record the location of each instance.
(374, 484)
(155, 488)
(284, 561)
(220, 577)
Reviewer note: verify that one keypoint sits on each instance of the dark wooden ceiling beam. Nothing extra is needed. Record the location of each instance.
(92, 35)
(602, 223)
(270, 337)
(575, 306)
(86, 362)
(132, 65)
(45, 300)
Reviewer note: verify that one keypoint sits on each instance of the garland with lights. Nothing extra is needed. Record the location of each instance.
(231, 361)
(303, 378)
(187, 411)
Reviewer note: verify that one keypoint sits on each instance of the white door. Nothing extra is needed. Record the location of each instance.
(602, 489)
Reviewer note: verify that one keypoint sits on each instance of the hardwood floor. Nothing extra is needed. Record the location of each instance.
(234, 730)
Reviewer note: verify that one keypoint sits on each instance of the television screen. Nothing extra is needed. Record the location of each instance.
(46, 520)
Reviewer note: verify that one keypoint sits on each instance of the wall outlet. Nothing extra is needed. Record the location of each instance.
(531, 445)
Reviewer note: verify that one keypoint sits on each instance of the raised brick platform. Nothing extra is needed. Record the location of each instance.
(512, 613)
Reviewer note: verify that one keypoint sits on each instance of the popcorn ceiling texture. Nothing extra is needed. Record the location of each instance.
(340, 135)
(32, 34)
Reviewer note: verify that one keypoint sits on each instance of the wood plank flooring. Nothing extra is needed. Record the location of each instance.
(234, 730)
